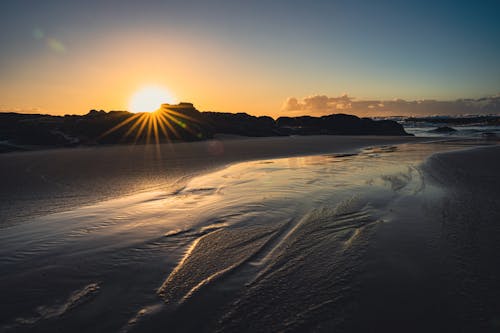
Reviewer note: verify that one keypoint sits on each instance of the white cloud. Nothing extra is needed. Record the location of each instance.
(322, 104)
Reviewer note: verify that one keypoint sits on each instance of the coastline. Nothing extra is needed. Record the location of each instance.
(46, 181)
(389, 214)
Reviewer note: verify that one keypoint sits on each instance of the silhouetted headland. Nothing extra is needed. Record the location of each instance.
(171, 123)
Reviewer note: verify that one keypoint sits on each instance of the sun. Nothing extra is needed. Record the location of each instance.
(158, 118)
(150, 98)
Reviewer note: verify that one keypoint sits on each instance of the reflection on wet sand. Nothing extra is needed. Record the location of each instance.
(282, 244)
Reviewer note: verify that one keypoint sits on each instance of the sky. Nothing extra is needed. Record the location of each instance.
(67, 57)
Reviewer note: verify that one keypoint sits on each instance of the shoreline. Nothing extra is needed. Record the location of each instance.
(366, 217)
(222, 137)
(46, 181)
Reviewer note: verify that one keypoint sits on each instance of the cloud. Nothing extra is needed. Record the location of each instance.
(322, 104)
(4, 108)
(319, 103)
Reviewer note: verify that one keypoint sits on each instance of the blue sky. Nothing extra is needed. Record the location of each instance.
(244, 56)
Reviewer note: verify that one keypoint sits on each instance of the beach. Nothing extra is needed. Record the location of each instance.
(249, 166)
(283, 234)
(46, 181)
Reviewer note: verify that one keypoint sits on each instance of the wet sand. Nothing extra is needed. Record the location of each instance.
(392, 238)
(42, 182)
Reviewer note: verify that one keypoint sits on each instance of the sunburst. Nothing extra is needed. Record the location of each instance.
(164, 124)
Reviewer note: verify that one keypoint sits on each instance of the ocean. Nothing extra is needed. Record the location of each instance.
(428, 128)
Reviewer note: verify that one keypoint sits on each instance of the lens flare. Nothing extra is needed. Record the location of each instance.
(38, 34)
(52, 43)
(56, 45)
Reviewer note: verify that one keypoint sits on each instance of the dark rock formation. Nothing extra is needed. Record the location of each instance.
(489, 135)
(170, 123)
(31, 129)
(340, 124)
(443, 129)
(241, 124)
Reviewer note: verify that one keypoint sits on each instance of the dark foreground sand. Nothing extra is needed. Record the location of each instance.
(394, 238)
(42, 182)
(436, 270)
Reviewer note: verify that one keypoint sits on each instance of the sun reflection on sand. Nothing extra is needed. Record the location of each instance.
(242, 230)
